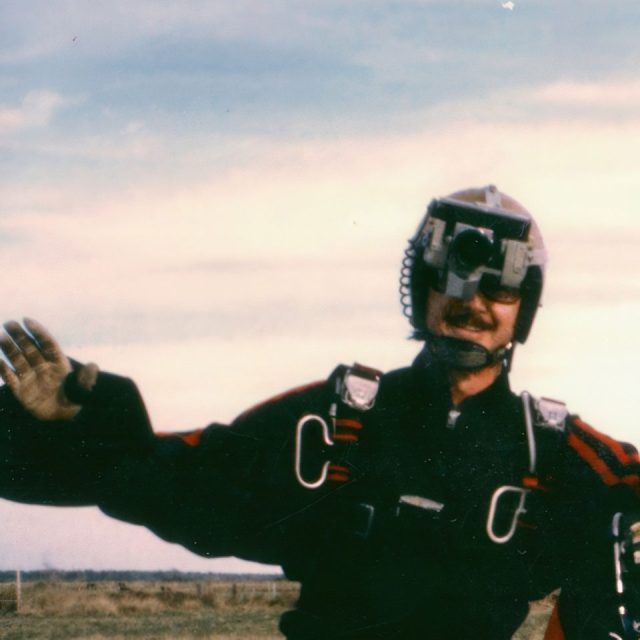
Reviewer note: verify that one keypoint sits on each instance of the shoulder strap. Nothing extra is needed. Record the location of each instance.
(539, 415)
(542, 415)
(355, 392)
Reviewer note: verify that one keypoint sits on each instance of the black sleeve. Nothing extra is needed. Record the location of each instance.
(223, 490)
(600, 479)
(64, 463)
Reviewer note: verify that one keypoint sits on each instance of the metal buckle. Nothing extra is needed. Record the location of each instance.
(420, 502)
(552, 413)
(360, 387)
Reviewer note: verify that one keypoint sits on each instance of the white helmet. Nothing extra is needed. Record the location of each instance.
(477, 239)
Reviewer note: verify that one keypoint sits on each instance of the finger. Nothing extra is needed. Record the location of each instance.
(9, 377)
(25, 343)
(87, 376)
(14, 356)
(49, 347)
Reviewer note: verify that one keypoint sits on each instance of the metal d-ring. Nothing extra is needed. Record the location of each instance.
(493, 507)
(302, 423)
(504, 489)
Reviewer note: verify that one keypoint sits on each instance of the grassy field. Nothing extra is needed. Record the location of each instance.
(146, 610)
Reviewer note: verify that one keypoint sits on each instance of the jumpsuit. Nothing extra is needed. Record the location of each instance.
(394, 543)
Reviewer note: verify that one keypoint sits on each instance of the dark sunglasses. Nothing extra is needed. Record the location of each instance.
(490, 287)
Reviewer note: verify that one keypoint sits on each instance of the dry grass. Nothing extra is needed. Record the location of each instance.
(534, 626)
(112, 598)
(166, 611)
(145, 610)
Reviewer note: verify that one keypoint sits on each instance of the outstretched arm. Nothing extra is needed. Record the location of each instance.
(62, 427)
(218, 491)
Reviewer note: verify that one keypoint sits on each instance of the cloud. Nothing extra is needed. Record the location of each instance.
(29, 52)
(615, 94)
(121, 26)
(307, 222)
(37, 109)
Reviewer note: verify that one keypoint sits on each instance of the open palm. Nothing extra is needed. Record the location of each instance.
(35, 370)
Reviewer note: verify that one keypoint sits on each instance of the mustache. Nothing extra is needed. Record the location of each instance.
(467, 318)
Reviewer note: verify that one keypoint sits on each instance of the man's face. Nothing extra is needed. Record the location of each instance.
(481, 320)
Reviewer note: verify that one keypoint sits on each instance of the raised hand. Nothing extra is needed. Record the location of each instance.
(37, 372)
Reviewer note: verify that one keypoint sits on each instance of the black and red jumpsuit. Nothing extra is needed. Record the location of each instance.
(394, 544)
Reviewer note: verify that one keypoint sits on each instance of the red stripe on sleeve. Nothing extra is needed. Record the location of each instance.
(633, 480)
(589, 455)
(615, 447)
(192, 438)
(280, 396)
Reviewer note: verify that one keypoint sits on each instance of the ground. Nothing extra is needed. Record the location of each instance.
(159, 610)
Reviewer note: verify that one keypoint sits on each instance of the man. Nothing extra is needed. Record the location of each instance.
(429, 502)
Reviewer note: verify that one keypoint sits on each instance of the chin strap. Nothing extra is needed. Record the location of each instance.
(465, 355)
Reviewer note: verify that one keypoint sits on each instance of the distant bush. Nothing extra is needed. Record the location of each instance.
(89, 575)
(125, 598)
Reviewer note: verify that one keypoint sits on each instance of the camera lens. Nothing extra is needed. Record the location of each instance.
(469, 249)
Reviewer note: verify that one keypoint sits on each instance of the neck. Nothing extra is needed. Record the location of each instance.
(467, 383)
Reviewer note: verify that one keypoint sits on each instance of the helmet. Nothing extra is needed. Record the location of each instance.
(474, 240)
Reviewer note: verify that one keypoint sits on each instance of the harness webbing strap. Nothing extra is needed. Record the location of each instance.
(356, 388)
(531, 436)
(548, 414)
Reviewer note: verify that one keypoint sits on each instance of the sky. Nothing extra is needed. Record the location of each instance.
(213, 198)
